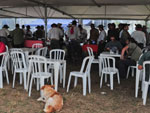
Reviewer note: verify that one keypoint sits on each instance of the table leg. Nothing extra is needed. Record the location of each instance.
(56, 72)
(1, 78)
(64, 74)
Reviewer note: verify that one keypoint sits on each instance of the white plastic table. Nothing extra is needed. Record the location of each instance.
(110, 54)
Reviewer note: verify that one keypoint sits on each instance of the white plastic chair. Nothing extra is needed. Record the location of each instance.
(37, 45)
(58, 54)
(145, 83)
(38, 64)
(84, 73)
(107, 69)
(19, 65)
(41, 51)
(3, 66)
(95, 61)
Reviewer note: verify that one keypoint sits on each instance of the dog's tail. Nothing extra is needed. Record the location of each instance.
(49, 109)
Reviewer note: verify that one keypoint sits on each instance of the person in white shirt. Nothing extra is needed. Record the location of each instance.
(101, 39)
(54, 35)
(4, 32)
(139, 36)
(74, 46)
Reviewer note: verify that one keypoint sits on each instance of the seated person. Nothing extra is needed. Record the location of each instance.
(113, 44)
(145, 57)
(132, 50)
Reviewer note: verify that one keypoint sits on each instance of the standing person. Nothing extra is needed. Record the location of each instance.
(124, 34)
(139, 36)
(38, 33)
(102, 39)
(74, 46)
(4, 32)
(18, 37)
(28, 33)
(132, 50)
(43, 31)
(61, 40)
(54, 35)
(112, 32)
(83, 34)
(144, 29)
(94, 34)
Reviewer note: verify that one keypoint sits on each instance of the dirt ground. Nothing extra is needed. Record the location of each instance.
(120, 100)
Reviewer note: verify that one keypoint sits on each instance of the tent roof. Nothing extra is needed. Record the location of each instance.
(86, 9)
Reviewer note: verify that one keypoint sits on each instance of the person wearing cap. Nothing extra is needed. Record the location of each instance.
(144, 29)
(113, 44)
(83, 34)
(124, 34)
(4, 33)
(112, 32)
(38, 34)
(73, 48)
(101, 39)
(94, 34)
(139, 36)
(131, 49)
(28, 32)
(18, 37)
(54, 35)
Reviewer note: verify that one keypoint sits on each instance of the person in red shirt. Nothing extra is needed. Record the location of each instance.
(2, 47)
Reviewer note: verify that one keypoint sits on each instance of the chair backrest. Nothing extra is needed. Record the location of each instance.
(86, 68)
(4, 58)
(90, 51)
(15, 49)
(146, 66)
(107, 63)
(6, 48)
(38, 64)
(41, 51)
(57, 54)
(18, 59)
(37, 45)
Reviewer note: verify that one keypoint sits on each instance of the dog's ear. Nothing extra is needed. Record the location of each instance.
(52, 86)
(42, 87)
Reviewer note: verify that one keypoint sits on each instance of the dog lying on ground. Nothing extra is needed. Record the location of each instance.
(53, 99)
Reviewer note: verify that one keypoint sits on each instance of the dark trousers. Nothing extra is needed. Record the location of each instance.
(18, 45)
(101, 47)
(74, 50)
(147, 72)
(55, 44)
(123, 66)
(4, 40)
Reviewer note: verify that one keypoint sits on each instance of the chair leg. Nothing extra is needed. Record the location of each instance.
(69, 82)
(75, 81)
(61, 75)
(38, 84)
(41, 85)
(84, 85)
(30, 87)
(137, 82)
(128, 73)
(52, 83)
(7, 76)
(25, 80)
(145, 94)
(132, 72)
(14, 80)
(89, 83)
(101, 81)
(20, 78)
(118, 77)
(111, 81)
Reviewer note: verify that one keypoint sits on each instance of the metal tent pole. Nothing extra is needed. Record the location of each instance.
(45, 20)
